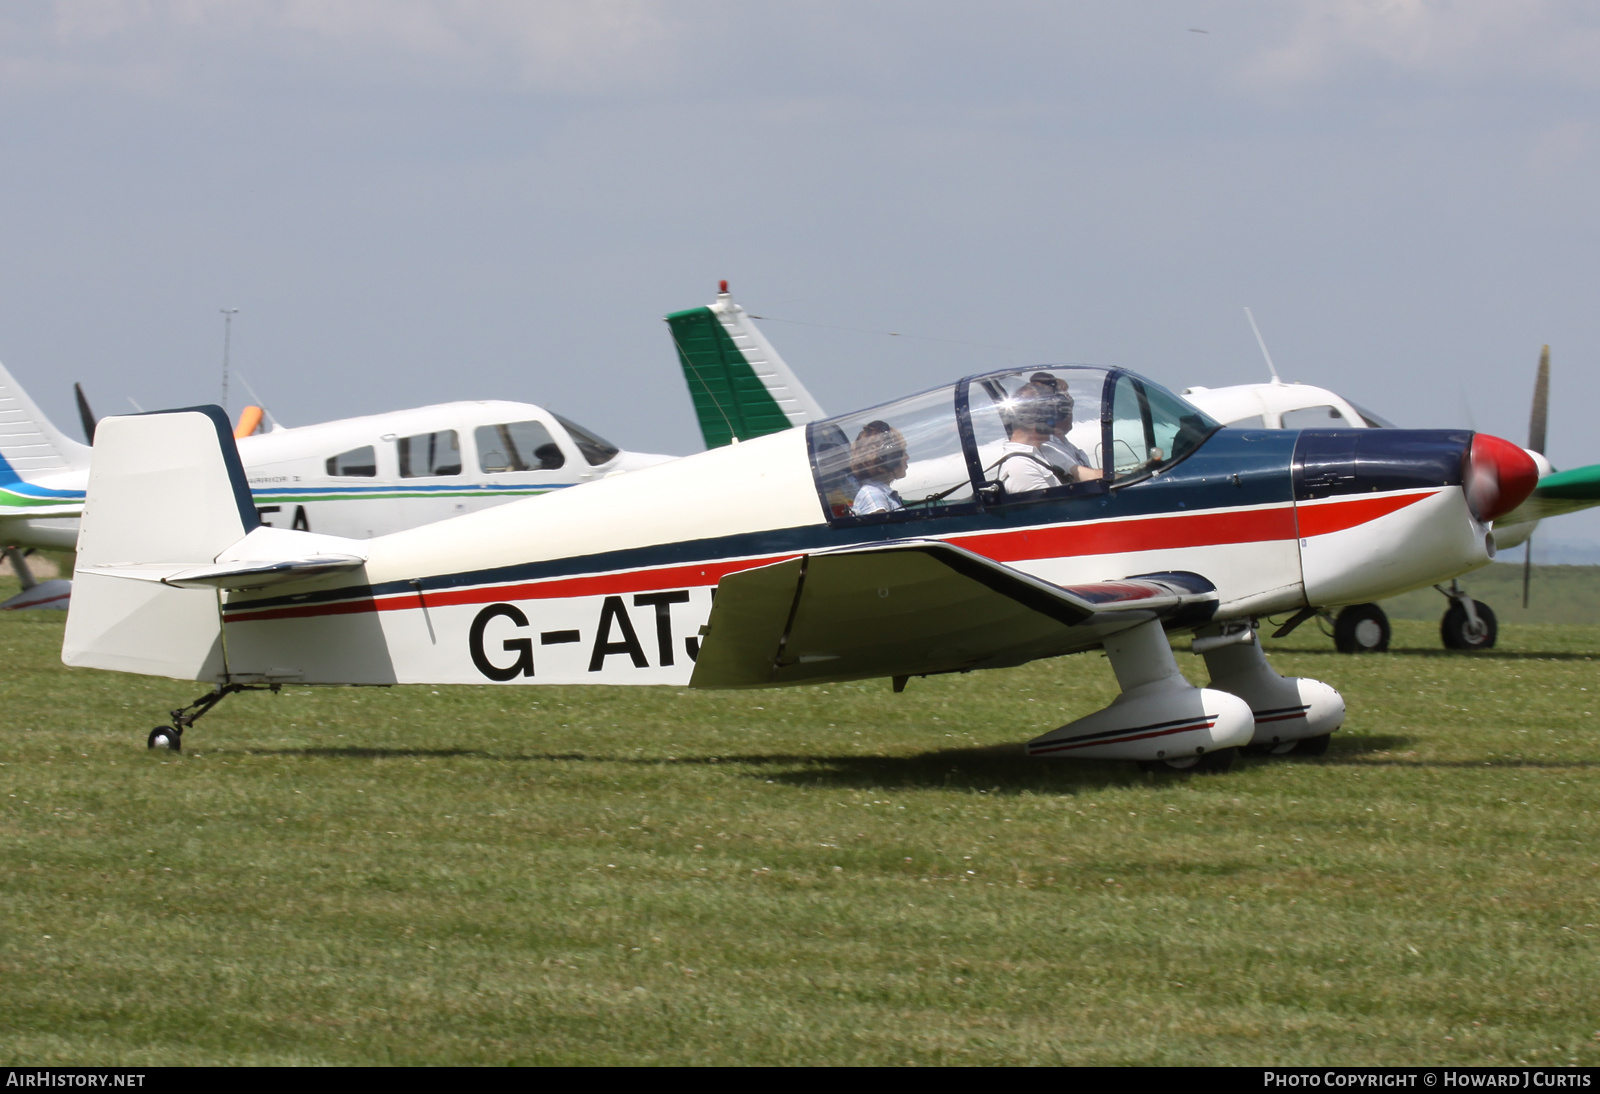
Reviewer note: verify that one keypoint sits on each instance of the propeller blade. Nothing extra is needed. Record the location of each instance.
(85, 415)
(1527, 568)
(1541, 404)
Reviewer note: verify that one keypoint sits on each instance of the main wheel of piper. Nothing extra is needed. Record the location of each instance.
(1457, 632)
(165, 737)
(1361, 628)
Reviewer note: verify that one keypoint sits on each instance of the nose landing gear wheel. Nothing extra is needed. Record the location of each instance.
(165, 737)
(1361, 628)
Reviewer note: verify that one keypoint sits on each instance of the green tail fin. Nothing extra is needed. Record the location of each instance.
(740, 386)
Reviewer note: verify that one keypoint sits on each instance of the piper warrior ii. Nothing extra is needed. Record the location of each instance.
(987, 523)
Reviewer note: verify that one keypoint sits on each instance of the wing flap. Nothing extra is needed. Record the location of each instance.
(913, 608)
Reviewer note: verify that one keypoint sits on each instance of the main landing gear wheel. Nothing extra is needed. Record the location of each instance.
(165, 737)
(1214, 762)
(1305, 746)
(1361, 628)
(1458, 633)
(1313, 746)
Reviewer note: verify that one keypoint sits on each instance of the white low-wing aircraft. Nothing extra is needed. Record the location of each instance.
(358, 477)
(1467, 624)
(742, 388)
(890, 542)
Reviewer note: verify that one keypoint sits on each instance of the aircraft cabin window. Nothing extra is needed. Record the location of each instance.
(429, 454)
(595, 448)
(1374, 421)
(1316, 417)
(517, 446)
(357, 463)
(1035, 429)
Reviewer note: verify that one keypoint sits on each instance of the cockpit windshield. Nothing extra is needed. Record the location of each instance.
(1019, 435)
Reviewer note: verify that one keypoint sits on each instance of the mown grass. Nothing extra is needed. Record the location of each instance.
(1556, 594)
(824, 875)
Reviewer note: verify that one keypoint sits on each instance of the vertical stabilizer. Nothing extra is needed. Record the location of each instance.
(29, 444)
(165, 489)
(740, 386)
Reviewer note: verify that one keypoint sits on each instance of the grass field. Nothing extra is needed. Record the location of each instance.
(822, 875)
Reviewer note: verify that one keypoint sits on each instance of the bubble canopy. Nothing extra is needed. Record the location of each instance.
(1001, 438)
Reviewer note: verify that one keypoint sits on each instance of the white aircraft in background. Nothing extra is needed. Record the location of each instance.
(357, 477)
(742, 388)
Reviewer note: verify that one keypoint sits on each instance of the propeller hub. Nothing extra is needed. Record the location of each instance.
(1500, 476)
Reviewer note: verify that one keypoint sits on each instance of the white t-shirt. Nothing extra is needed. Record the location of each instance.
(875, 497)
(1021, 470)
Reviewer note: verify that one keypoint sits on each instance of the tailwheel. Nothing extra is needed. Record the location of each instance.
(165, 737)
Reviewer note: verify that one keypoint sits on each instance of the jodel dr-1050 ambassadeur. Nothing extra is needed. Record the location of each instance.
(998, 520)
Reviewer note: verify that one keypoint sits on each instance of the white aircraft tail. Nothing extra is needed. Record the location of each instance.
(740, 386)
(30, 444)
(165, 489)
(167, 525)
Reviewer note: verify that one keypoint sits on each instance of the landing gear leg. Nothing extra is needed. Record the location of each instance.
(1290, 712)
(171, 737)
(1468, 624)
(19, 566)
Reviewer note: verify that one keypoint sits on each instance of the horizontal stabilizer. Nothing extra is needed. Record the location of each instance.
(911, 608)
(232, 575)
(267, 556)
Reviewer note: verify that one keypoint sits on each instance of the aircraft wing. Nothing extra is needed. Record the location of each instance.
(914, 607)
(1557, 494)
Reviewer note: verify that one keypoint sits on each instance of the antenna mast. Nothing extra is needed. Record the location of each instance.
(1262, 342)
(227, 338)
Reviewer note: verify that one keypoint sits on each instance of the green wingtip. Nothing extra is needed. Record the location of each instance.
(1579, 484)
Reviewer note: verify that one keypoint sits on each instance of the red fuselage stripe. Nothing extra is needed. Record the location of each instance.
(1319, 520)
(1061, 541)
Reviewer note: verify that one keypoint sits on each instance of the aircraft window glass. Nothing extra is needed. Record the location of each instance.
(596, 449)
(902, 458)
(517, 446)
(1037, 429)
(1151, 429)
(429, 454)
(357, 463)
(1374, 421)
(1315, 417)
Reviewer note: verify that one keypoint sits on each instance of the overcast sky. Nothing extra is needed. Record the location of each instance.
(413, 202)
